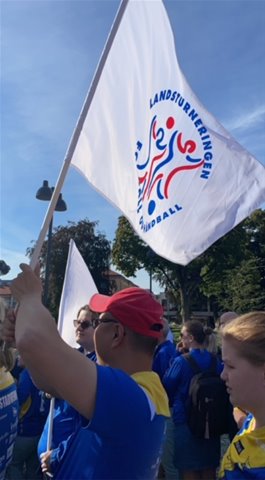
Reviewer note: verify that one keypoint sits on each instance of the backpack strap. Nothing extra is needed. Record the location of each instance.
(213, 366)
(192, 362)
(195, 367)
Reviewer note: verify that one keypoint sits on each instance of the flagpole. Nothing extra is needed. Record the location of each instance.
(50, 424)
(77, 131)
(59, 326)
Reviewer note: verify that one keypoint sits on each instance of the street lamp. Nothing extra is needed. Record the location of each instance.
(45, 193)
(150, 255)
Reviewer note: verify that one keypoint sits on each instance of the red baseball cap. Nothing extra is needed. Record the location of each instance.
(133, 307)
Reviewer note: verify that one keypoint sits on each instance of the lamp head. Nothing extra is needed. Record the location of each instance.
(60, 205)
(44, 192)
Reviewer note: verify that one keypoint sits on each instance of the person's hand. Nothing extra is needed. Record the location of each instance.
(180, 347)
(8, 330)
(27, 283)
(45, 461)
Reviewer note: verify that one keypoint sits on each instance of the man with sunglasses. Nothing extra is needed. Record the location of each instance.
(123, 403)
(84, 331)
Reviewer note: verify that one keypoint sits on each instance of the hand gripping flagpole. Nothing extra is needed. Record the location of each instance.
(77, 131)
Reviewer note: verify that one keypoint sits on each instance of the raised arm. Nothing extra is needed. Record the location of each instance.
(54, 366)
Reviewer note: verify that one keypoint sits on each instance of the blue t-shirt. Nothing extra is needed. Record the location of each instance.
(34, 407)
(178, 377)
(66, 420)
(245, 457)
(163, 357)
(124, 438)
(8, 419)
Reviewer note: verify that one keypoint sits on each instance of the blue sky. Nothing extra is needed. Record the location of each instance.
(50, 50)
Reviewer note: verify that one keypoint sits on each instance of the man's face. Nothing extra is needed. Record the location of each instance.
(84, 333)
(104, 335)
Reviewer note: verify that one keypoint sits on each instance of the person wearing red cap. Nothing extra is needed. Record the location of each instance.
(123, 403)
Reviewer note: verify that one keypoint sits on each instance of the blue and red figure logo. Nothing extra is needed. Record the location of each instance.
(169, 153)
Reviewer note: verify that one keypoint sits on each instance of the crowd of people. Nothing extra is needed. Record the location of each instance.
(129, 403)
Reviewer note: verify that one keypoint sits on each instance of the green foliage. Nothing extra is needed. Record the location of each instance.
(245, 287)
(230, 275)
(124, 247)
(222, 257)
(130, 254)
(234, 272)
(94, 248)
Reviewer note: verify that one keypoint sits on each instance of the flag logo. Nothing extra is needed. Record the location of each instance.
(174, 146)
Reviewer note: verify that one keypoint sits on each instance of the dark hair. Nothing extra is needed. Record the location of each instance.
(198, 330)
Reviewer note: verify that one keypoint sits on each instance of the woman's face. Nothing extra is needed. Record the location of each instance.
(245, 381)
(186, 338)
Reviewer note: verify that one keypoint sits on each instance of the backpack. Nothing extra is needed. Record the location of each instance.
(208, 406)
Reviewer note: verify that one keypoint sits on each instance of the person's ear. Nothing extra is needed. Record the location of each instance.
(118, 334)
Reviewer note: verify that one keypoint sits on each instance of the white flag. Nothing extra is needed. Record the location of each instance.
(78, 287)
(151, 148)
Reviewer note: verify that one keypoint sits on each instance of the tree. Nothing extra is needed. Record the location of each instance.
(230, 274)
(234, 271)
(245, 290)
(94, 248)
(219, 261)
(130, 253)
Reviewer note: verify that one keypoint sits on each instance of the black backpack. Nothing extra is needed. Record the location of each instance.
(208, 406)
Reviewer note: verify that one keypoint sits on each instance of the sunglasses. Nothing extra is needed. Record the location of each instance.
(84, 325)
(97, 321)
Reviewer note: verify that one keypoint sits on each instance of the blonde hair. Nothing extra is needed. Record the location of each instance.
(211, 343)
(247, 333)
(7, 354)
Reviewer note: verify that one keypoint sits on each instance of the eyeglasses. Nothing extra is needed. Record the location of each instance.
(97, 321)
(84, 325)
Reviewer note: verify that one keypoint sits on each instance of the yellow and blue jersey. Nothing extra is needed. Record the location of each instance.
(124, 438)
(245, 457)
(34, 406)
(8, 417)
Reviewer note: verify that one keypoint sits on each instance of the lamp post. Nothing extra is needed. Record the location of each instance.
(150, 280)
(150, 255)
(45, 193)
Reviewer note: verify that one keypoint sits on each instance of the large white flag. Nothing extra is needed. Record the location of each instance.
(78, 287)
(151, 148)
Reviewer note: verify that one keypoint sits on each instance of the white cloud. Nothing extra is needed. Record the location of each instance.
(247, 120)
